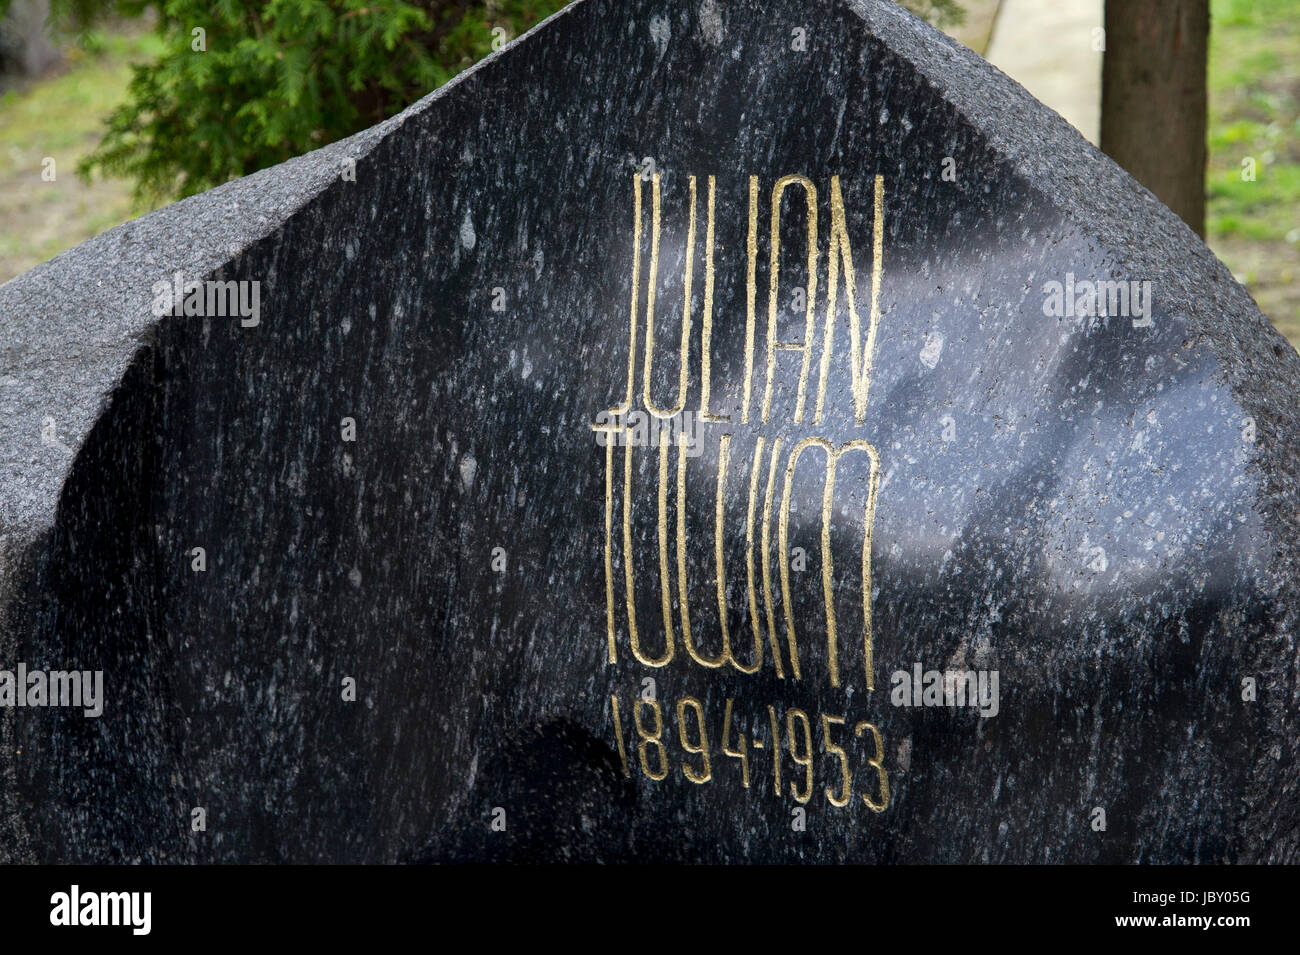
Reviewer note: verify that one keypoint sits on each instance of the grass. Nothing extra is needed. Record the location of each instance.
(1254, 225)
(61, 117)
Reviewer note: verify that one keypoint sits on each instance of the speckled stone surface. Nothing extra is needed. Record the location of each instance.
(1098, 509)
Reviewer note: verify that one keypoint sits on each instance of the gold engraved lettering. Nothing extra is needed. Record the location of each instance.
(766, 552)
(751, 293)
(877, 270)
(869, 523)
(609, 546)
(724, 458)
(799, 733)
(727, 654)
(618, 733)
(684, 605)
(833, 749)
(626, 404)
(877, 761)
(665, 583)
(706, 344)
(629, 571)
(704, 661)
(749, 563)
(651, 739)
(828, 492)
(841, 251)
(705, 772)
(805, 346)
(776, 750)
(806, 760)
(861, 348)
(742, 753)
(683, 374)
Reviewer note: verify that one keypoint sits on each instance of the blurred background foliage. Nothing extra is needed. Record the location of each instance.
(942, 13)
(275, 79)
(282, 77)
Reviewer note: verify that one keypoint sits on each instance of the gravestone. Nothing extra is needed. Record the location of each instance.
(701, 431)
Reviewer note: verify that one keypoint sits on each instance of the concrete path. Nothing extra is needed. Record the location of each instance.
(1047, 46)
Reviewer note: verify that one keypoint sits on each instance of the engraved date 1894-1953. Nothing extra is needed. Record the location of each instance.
(653, 744)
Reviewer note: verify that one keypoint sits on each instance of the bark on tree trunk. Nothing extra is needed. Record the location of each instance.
(1153, 98)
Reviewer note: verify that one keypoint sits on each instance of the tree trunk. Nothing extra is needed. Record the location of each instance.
(1153, 98)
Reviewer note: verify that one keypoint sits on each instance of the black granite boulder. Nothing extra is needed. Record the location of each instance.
(721, 431)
